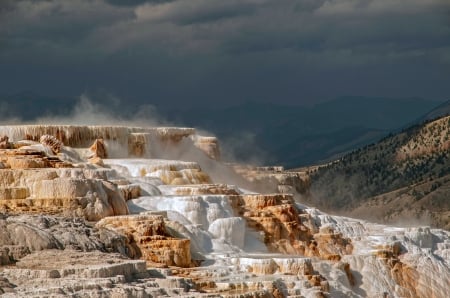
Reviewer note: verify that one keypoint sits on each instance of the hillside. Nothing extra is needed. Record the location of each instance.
(425, 203)
(417, 155)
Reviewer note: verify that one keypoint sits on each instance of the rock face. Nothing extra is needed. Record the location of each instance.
(88, 274)
(24, 234)
(148, 239)
(164, 227)
(58, 191)
(278, 218)
(99, 149)
(170, 172)
(52, 142)
(4, 143)
(35, 183)
(275, 179)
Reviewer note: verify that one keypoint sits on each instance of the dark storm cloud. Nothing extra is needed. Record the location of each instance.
(268, 49)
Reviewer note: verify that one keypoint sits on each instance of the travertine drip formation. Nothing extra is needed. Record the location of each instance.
(136, 212)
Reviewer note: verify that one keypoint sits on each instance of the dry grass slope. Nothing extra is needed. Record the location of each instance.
(411, 162)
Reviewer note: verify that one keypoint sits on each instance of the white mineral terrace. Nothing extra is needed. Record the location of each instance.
(80, 136)
(234, 255)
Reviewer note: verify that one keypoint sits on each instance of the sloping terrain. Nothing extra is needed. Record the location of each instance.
(425, 203)
(416, 159)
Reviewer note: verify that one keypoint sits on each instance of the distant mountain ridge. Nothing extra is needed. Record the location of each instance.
(295, 135)
(440, 111)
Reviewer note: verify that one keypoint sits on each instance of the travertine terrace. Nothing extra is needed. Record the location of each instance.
(96, 211)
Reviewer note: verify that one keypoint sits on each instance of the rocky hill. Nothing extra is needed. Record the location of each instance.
(117, 211)
(410, 168)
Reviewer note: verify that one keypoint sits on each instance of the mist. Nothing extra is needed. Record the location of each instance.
(106, 110)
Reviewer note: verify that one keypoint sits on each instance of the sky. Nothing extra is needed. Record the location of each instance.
(184, 53)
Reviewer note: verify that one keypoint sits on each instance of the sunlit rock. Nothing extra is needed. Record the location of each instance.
(4, 143)
(199, 189)
(51, 142)
(98, 149)
(275, 179)
(36, 183)
(149, 240)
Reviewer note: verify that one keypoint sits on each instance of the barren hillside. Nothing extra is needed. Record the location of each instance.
(413, 157)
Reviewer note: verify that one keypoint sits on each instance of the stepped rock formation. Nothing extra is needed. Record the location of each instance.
(148, 220)
(275, 179)
(52, 142)
(148, 239)
(281, 223)
(34, 183)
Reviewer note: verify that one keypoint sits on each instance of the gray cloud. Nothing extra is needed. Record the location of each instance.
(259, 48)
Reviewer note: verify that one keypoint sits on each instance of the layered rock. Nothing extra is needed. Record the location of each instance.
(395, 261)
(98, 149)
(4, 143)
(199, 189)
(88, 274)
(279, 219)
(24, 234)
(29, 159)
(135, 141)
(52, 142)
(149, 240)
(170, 172)
(275, 179)
(35, 183)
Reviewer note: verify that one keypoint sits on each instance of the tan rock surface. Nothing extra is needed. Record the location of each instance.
(284, 231)
(99, 149)
(148, 239)
(51, 142)
(35, 183)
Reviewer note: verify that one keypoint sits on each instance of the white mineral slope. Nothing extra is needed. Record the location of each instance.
(169, 171)
(424, 252)
(78, 135)
(208, 220)
(231, 249)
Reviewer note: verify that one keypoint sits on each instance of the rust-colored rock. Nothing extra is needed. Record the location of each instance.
(96, 161)
(4, 143)
(279, 219)
(205, 189)
(99, 149)
(149, 240)
(52, 142)
(29, 159)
